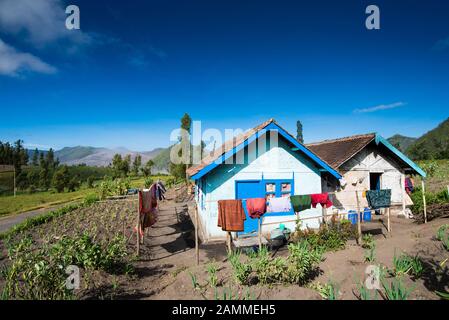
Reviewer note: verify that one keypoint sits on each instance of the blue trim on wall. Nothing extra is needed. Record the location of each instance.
(271, 126)
(380, 140)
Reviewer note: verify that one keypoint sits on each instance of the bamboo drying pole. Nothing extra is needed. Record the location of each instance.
(138, 232)
(228, 241)
(388, 221)
(359, 226)
(424, 200)
(403, 193)
(197, 252)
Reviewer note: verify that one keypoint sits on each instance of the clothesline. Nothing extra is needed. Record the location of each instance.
(329, 193)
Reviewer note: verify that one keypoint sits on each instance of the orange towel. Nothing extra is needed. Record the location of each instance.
(231, 215)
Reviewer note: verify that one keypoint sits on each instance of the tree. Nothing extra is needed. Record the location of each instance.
(126, 164)
(35, 161)
(146, 170)
(44, 172)
(117, 165)
(179, 170)
(73, 184)
(61, 179)
(299, 135)
(90, 181)
(50, 158)
(136, 164)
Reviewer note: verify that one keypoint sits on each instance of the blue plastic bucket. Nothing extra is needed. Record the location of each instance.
(352, 216)
(367, 214)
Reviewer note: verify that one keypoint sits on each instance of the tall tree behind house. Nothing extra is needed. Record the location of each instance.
(299, 135)
(179, 170)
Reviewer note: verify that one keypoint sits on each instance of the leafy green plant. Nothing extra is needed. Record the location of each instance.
(194, 281)
(331, 236)
(405, 264)
(370, 247)
(444, 295)
(442, 232)
(241, 271)
(365, 293)
(396, 290)
(212, 272)
(328, 291)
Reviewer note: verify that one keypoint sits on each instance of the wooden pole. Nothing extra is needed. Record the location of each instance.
(388, 221)
(197, 250)
(403, 193)
(228, 241)
(138, 232)
(359, 226)
(424, 200)
(260, 234)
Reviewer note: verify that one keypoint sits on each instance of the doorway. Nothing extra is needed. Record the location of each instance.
(374, 180)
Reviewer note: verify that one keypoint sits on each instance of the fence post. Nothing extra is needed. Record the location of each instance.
(138, 231)
(197, 250)
(359, 226)
(424, 199)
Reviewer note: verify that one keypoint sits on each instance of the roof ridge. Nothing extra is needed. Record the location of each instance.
(348, 138)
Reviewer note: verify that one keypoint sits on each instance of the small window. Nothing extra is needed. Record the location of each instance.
(270, 187)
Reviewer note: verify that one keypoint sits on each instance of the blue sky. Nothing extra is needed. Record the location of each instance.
(134, 68)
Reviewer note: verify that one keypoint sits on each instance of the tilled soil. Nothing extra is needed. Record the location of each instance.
(166, 262)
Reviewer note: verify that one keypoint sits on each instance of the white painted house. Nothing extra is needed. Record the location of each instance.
(366, 162)
(263, 161)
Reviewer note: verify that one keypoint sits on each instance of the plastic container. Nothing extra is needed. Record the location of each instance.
(367, 214)
(352, 216)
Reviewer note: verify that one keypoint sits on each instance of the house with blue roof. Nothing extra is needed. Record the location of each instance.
(263, 162)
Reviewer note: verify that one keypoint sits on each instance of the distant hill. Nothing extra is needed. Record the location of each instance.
(432, 145)
(102, 157)
(68, 154)
(401, 142)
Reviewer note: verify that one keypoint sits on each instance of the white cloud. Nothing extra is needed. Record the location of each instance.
(14, 63)
(380, 107)
(42, 22)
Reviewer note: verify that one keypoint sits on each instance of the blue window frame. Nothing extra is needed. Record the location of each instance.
(266, 188)
(278, 188)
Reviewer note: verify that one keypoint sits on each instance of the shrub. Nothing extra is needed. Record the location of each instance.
(148, 182)
(297, 268)
(331, 236)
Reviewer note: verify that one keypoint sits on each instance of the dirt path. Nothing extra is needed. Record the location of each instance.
(9, 221)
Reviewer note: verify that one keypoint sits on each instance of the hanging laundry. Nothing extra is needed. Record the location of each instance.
(281, 204)
(231, 215)
(379, 198)
(322, 199)
(409, 185)
(300, 202)
(147, 209)
(256, 207)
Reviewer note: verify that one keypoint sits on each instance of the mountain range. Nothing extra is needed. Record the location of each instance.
(100, 157)
(432, 145)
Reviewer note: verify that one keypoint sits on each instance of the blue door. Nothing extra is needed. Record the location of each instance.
(245, 190)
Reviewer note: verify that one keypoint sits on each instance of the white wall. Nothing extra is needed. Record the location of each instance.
(277, 163)
(359, 167)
